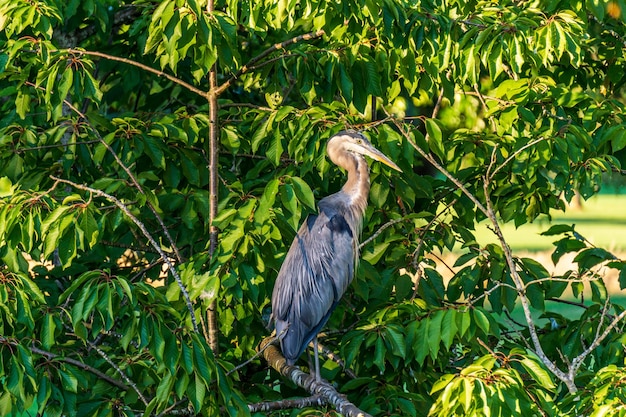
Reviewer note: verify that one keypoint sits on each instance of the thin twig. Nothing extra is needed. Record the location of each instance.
(248, 361)
(119, 371)
(513, 156)
(249, 66)
(132, 179)
(379, 231)
(56, 145)
(142, 66)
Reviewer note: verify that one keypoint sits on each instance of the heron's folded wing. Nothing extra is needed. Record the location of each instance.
(314, 275)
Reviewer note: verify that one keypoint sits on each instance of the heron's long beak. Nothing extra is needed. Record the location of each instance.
(380, 157)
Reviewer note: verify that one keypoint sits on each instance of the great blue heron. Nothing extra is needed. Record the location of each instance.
(321, 261)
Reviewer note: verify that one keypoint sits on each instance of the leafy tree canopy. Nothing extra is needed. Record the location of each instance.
(156, 159)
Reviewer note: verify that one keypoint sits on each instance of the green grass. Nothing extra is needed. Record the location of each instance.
(601, 220)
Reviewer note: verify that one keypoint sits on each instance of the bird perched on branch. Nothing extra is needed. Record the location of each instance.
(322, 259)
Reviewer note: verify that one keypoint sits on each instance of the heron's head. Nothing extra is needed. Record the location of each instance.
(354, 142)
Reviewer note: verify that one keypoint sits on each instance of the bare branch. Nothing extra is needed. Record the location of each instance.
(379, 231)
(146, 233)
(71, 361)
(131, 177)
(521, 291)
(439, 167)
(142, 66)
(249, 66)
(578, 360)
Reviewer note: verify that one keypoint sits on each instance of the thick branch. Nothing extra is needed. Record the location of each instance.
(312, 401)
(213, 187)
(324, 390)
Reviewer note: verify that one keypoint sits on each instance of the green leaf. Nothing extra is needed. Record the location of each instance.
(266, 202)
(481, 319)
(22, 102)
(154, 151)
(434, 333)
(374, 254)
(622, 278)
(65, 83)
(200, 360)
(538, 373)
(303, 192)
(345, 83)
(164, 388)
(68, 380)
(6, 187)
(558, 229)
(599, 293)
(357, 383)
(448, 328)
(435, 138)
(379, 354)
(396, 339)
(6, 403)
(591, 257)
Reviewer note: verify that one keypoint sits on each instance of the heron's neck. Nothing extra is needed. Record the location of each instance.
(358, 185)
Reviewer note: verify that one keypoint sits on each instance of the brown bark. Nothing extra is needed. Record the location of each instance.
(321, 389)
(213, 176)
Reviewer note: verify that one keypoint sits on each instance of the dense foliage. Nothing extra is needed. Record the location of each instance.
(107, 270)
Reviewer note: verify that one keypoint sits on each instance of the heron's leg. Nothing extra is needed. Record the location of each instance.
(318, 378)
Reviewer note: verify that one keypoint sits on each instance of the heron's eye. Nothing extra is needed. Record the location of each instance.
(359, 141)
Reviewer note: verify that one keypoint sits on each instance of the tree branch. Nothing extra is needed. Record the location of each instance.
(438, 166)
(142, 66)
(379, 231)
(249, 66)
(119, 371)
(312, 401)
(146, 233)
(521, 291)
(131, 177)
(71, 361)
(324, 390)
(213, 328)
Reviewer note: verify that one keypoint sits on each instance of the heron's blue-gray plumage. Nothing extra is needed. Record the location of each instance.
(316, 276)
(321, 261)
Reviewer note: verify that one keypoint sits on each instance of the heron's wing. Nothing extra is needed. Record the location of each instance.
(315, 274)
